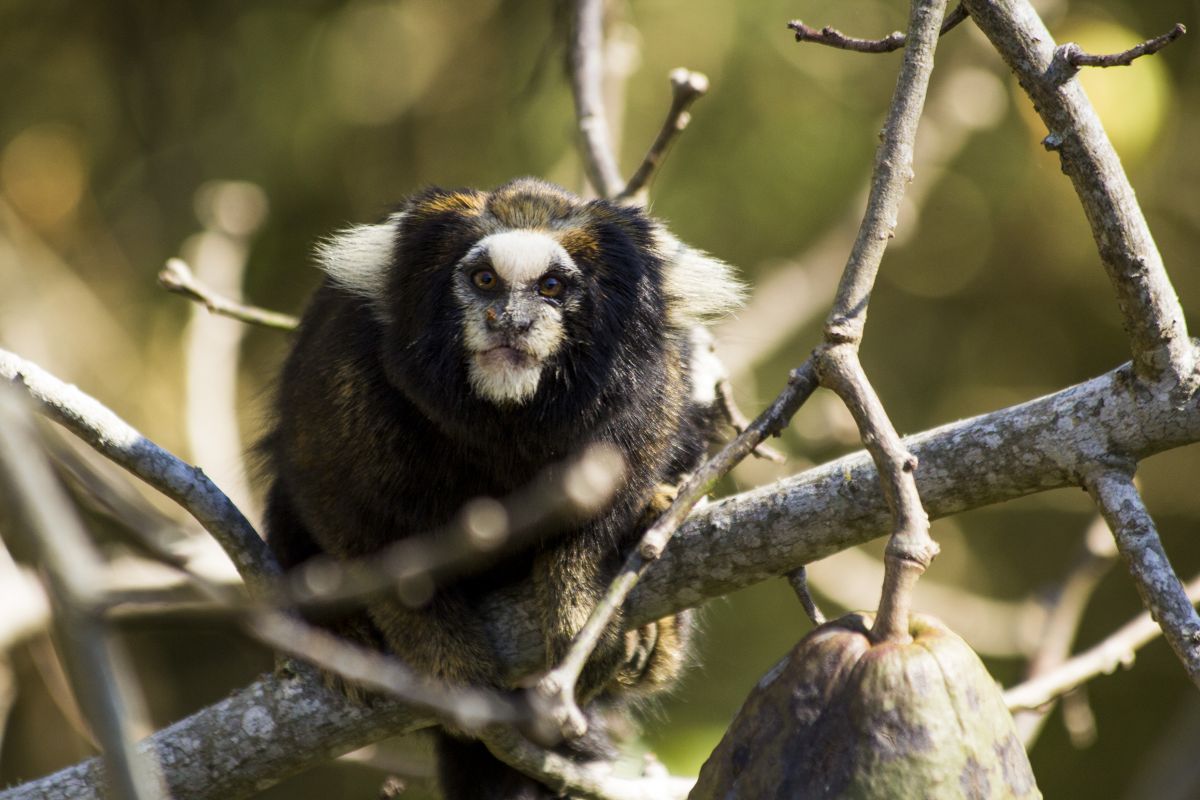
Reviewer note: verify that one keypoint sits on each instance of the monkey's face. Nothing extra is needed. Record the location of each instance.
(513, 289)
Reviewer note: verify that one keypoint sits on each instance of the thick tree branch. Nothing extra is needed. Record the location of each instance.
(1037, 446)
(1151, 312)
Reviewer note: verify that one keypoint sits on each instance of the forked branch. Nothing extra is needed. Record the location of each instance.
(1151, 313)
(910, 549)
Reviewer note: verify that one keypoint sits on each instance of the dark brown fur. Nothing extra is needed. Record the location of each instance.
(379, 436)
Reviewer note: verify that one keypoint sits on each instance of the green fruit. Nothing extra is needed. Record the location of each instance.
(842, 717)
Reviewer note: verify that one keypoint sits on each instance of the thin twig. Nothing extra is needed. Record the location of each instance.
(686, 88)
(1137, 539)
(849, 576)
(556, 690)
(1075, 55)
(584, 781)
(586, 64)
(910, 548)
(482, 532)
(98, 666)
(117, 440)
(832, 37)
(798, 578)
(1151, 313)
(468, 707)
(739, 422)
(177, 277)
(1116, 651)
(1066, 605)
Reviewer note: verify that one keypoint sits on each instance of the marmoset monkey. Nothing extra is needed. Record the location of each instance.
(455, 350)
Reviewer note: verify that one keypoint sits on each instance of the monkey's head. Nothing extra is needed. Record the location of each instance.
(527, 300)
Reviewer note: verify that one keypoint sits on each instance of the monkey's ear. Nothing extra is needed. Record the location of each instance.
(357, 258)
(699, 288)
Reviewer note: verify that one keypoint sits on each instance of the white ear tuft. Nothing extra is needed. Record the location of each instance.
(357, 258)
(699, 288)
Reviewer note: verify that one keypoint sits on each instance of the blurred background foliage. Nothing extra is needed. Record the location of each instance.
(238, 133)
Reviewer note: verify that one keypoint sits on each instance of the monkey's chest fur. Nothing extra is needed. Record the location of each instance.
(358, 465)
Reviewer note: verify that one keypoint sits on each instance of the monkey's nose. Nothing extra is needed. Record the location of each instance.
(507, 321)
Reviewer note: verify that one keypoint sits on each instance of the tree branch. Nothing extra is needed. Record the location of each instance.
(686, 88)
(1102, 659)
(555, 692)
(177, 277)
(117, 440)
(1151, 313)
(1074, 55)
(586, 66)
(832, 37)
(99, 670)
(584, 781)
(728, 545)
(910, 548)
(1138, 542)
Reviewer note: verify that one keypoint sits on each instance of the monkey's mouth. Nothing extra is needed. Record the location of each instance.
(505, 356)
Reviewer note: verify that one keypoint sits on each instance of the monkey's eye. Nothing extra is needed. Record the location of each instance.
(484, 279)
(550, 286)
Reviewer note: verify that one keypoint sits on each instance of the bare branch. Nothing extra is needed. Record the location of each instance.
(852, 574)
(1137, 540)
(686, 88)
(767, 532)
(798, 578)
(1074, 55)
(739, 422)
(117, 440)
(584, 781)
(100, 673)
(832, 37)
(483, 531)
(245, 743)
(1151, 313)
(468, 707)
(586, 63)
(910, 549)
(1066, 604)
(177, 277)
(1103, 659)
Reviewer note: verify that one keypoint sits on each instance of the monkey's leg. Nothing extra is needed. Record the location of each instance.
(443, 639)
(570, 583)
(656, 655)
